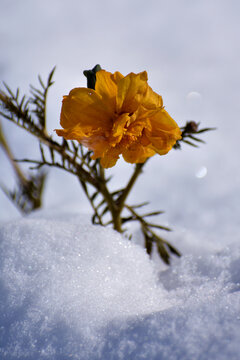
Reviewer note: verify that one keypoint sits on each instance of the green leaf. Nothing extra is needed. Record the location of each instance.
(196, 139)
(94, 195)
(50, 82)
(148, 245)
(126, 219)
(105, 210)
(163, 252)
(9, 90)
(190, 143)
(161, 227)
(206, 129)
(154, 213)
(140, 205)
(173, 250)
(41, 82)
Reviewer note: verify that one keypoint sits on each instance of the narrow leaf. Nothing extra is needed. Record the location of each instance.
(148, 245)
(93, 197)
(9, 90)
(206, 129)
(140, 205)
(41, 82)
(42, 152)
(190, 143)
(163, 252)
(196, 139)
(154, 213)
(161, 227)
(173, 250)
(105, 210)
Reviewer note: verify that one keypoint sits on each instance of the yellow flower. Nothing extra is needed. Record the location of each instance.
(123, 115)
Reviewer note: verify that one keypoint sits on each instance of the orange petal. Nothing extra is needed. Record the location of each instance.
(110, 158)
(137, 153)
(164, 132)
(117, 76)
(144, 139)
(162, 121)
(163, 143)
(136, 127)
(119, 124)
(84, 107)
(106, 87)
(74, 133)
(98, 144)
(151, 99)
(131, 90)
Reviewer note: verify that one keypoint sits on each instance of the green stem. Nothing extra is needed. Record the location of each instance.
(85, 189)
(121, 200)
(113, 208)
(116, 219)
(117, 206)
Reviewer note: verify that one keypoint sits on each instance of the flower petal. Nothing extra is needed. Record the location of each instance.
(119, 125)
(131, 90)
(84, 106)
(98, 144)
(117, 76)
(137, 153)
(106, 87)
(76, 132)
(136, 127)
(152, 100)
(162, 121)
(164, 132)
(110, 157)
(94, 141)
(163, 143)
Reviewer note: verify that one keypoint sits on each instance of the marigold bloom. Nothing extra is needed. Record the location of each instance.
(123, 115)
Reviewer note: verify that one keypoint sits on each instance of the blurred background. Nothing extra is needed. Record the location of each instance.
(191, 51)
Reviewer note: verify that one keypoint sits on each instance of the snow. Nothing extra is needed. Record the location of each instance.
(71, 290)
(56, 304)
(59, 276)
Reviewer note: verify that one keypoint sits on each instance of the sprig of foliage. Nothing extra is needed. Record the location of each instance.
(191, 131)
(164, 248)
(39, 99)
(28, 194)
(29, 113)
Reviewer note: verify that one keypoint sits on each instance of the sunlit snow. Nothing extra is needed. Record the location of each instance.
(71, 290)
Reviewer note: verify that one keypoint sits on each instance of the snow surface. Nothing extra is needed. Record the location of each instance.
(71, 290)
(187, 311)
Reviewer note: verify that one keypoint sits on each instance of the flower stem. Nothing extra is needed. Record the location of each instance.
(113, 208)
(117, 206)
(122, 198)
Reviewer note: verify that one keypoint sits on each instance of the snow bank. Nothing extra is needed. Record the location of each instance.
(205, 325)
(70, 290)
(61, 281)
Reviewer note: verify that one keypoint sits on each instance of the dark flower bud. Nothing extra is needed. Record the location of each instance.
(91, 76)
(191, 127)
